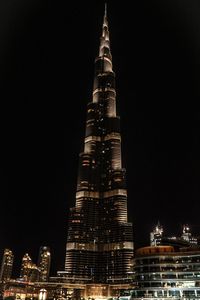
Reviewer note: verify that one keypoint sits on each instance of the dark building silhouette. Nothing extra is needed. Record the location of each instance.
(100, 240)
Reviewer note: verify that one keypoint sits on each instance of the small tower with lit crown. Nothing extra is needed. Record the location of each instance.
(156, 235)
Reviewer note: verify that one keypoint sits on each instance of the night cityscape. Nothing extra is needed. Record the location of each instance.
(100, 166)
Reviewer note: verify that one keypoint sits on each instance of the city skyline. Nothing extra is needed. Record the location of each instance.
(161, 144)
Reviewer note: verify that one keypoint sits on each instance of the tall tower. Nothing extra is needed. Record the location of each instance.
(6, 265)
(100, 240)
(44, 262)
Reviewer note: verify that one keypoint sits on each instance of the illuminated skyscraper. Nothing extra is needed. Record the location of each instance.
(29, 271)
(187, 236)
(186, 239)
(100, 240)
(156, 235)
(44, 261)
(6, 265)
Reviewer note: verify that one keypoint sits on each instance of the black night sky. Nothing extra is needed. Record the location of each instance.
(47, 52)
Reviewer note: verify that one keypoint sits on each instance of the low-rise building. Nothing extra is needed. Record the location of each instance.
(162, 272)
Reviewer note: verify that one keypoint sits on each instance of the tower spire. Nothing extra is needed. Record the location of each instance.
(105, 12)
(104, 49)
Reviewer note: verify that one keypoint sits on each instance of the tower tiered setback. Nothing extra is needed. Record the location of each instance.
(100, 240)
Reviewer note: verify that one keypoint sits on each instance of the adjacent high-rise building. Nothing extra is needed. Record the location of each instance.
(100, 239)
(29, 271)
(186, 239)
(6, 265)
(44, 262)
(187, 236)
(156, 235)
